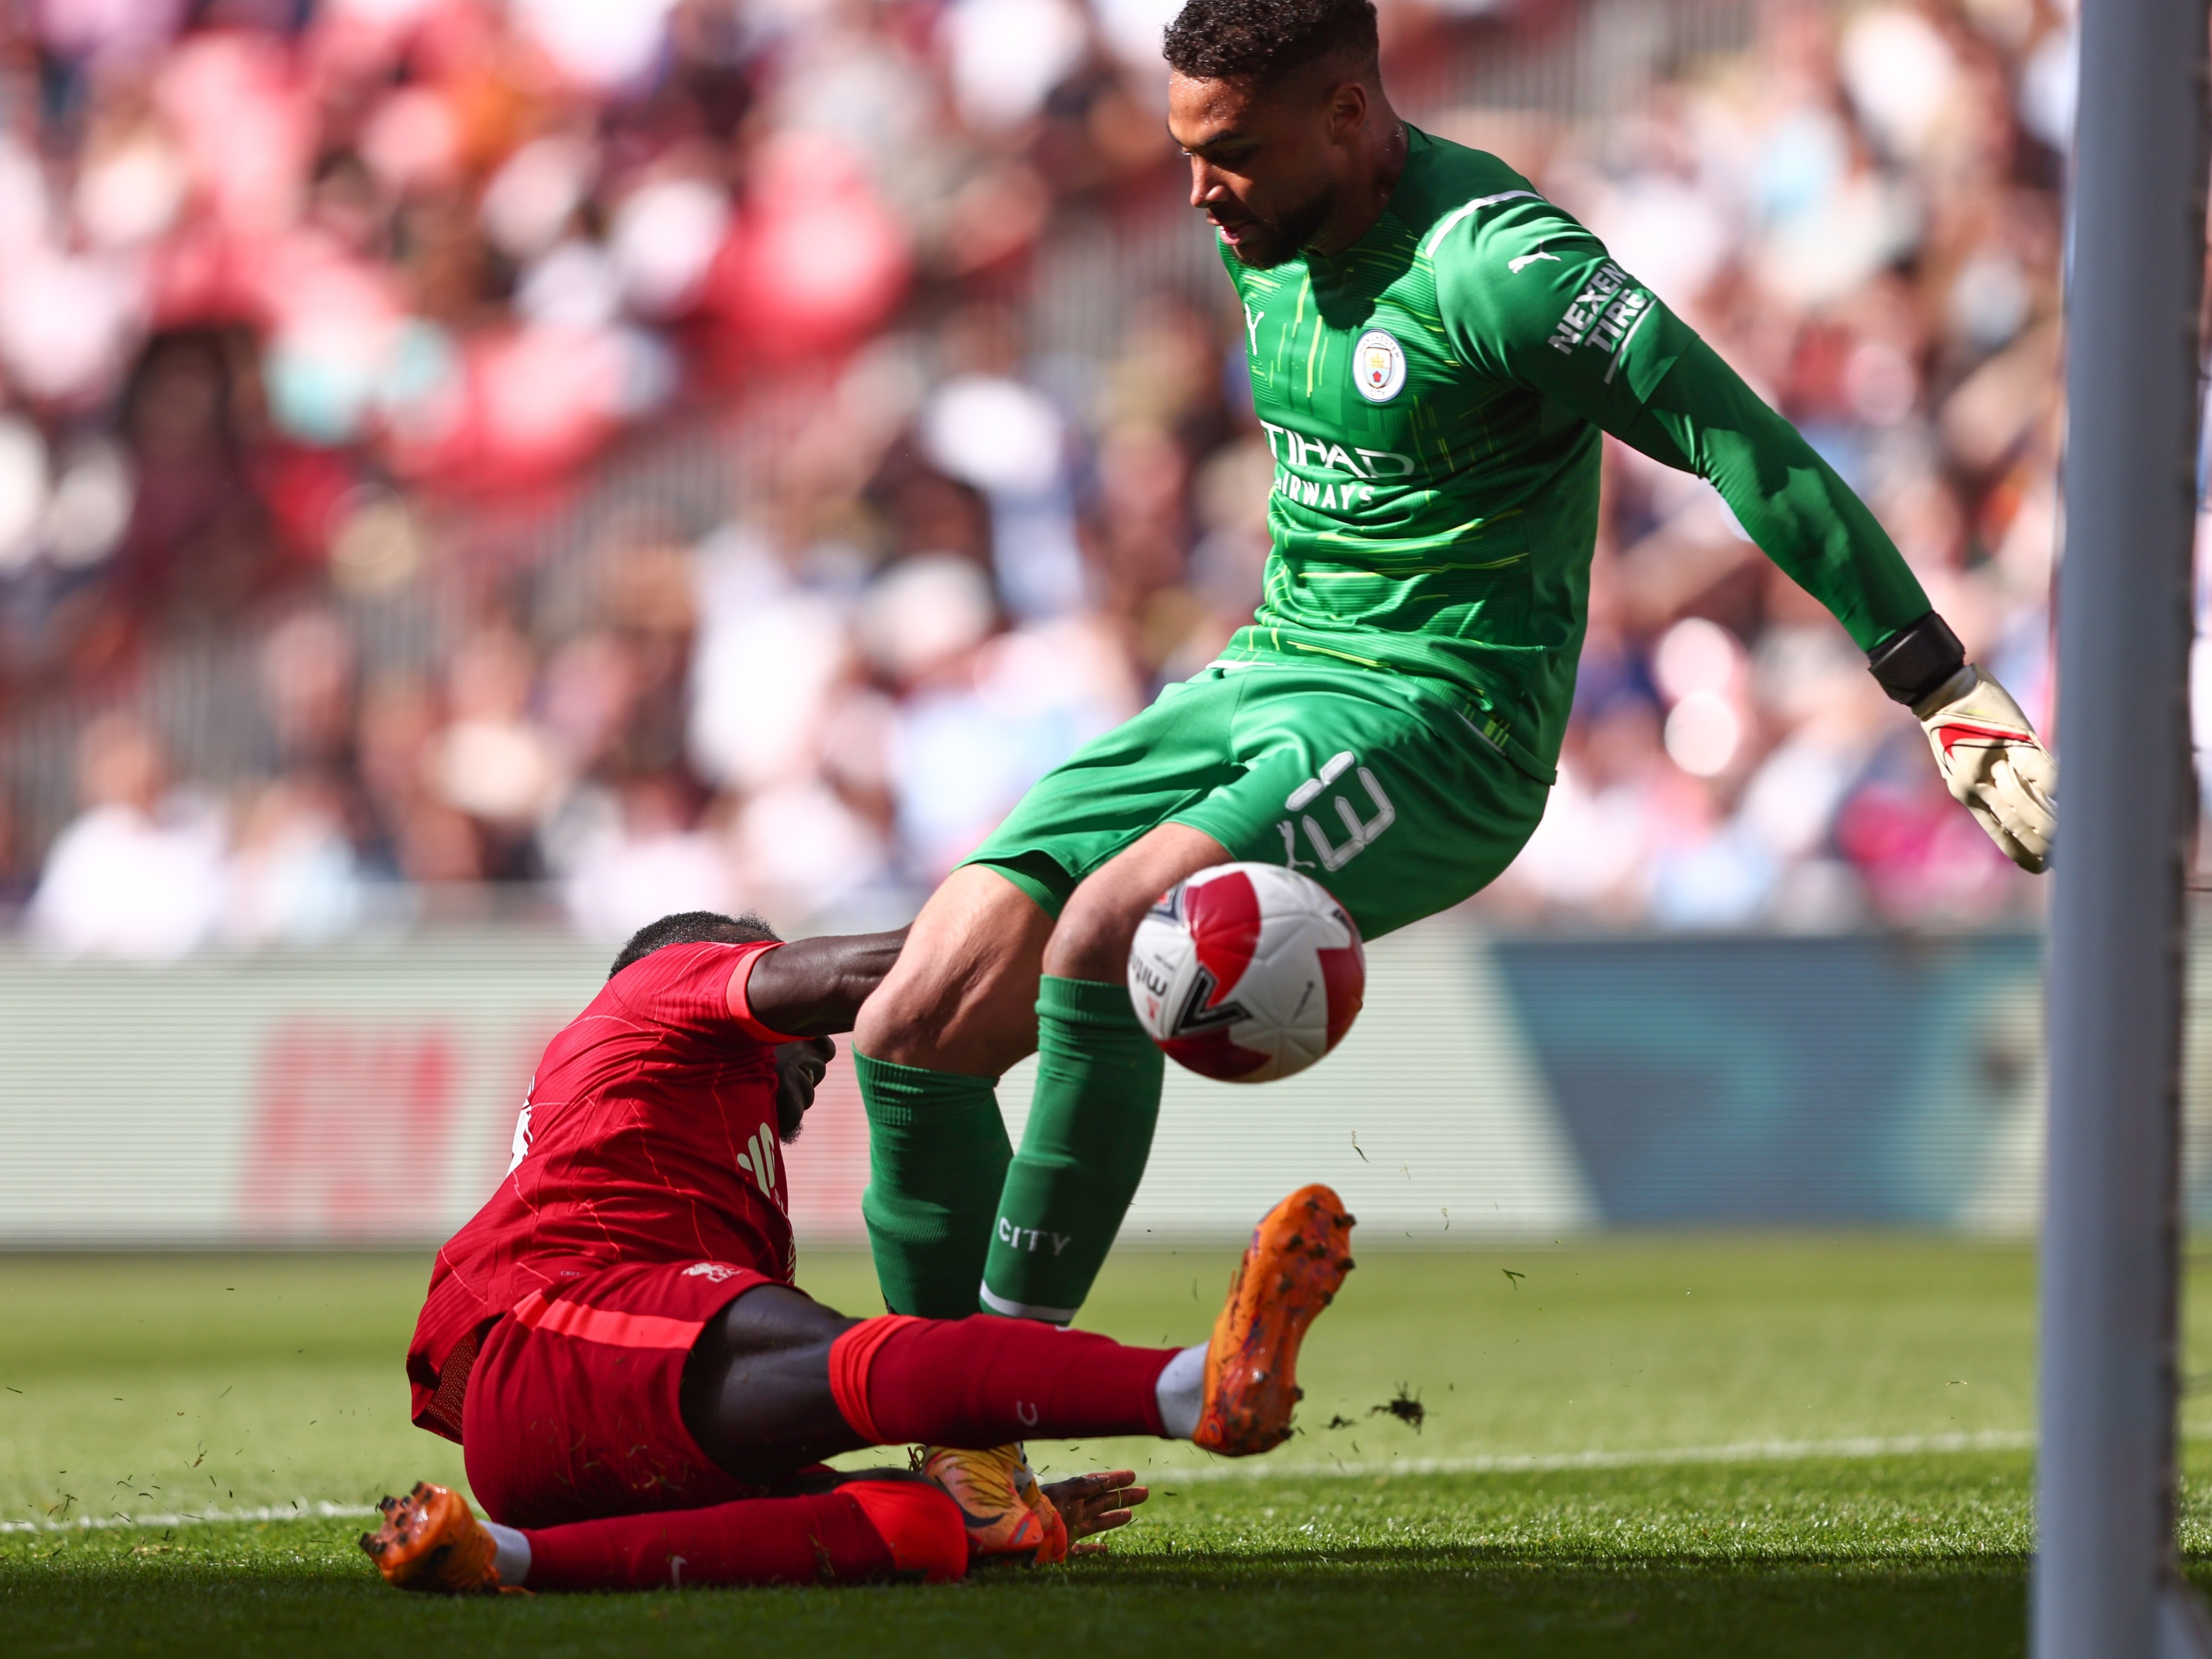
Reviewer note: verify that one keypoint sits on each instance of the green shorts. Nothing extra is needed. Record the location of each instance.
(1373, 784)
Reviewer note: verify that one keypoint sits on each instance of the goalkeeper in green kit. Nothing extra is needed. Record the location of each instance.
(1434, 350)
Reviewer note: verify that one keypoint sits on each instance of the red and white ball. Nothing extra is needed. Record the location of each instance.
(1247, 972)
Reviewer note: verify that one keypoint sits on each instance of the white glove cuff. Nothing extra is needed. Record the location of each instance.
(1949, 692)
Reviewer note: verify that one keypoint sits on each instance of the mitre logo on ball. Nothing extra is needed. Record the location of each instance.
(1247, 972)
(1378, 366)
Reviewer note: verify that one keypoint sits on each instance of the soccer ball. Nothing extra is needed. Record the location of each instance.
(1247, 972)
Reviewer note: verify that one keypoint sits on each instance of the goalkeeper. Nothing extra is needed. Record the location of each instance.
(1434, 349)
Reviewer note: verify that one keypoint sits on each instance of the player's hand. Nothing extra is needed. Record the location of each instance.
(1094, 1503)
(1993, 765)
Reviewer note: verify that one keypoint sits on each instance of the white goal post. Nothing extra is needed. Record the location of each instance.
(2106, 1579)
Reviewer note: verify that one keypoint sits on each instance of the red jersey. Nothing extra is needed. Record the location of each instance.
(648, 1135)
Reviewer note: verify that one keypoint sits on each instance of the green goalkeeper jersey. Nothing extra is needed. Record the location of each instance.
(1432, 396)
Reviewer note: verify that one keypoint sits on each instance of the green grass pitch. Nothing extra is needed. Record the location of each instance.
(1633, 1446)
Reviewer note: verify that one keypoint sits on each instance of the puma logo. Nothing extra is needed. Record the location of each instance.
(1516, 266)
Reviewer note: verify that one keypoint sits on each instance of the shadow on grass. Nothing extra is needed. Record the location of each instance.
(305, 1594)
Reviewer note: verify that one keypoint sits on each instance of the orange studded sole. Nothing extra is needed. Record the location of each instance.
(1292, 1269)
(430, 1541)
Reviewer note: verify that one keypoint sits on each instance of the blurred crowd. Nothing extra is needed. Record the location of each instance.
(1862, 213)
(265, 264)
(292, 295)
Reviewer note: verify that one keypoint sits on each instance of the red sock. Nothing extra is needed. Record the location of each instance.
(864, 1530)
(985, 1381)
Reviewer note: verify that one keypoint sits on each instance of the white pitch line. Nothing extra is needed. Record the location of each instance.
(321, 1509)
(1745, 1451)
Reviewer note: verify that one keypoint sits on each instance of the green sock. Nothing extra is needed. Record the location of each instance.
(1083, 1152)
(937, 1156)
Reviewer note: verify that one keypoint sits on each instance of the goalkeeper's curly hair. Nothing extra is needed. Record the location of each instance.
(1263, 41)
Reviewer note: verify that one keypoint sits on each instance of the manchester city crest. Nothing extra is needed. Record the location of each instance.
(1378, 366)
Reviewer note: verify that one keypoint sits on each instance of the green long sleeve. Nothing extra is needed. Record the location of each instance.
(1702, 418)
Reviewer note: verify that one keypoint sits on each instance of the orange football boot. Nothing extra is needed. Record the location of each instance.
(1008, 1514)
(1291, 1272)
(430, 1541)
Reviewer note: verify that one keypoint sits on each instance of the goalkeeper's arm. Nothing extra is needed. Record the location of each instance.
(1702, 418)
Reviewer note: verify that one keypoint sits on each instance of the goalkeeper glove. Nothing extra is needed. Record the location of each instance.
(1993, 765)
(1984, 748)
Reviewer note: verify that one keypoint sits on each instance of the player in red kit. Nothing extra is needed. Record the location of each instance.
(643, 1398)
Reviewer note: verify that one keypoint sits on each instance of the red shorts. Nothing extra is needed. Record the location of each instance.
(573, 1413)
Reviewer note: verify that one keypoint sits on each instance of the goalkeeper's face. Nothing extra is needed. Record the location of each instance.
(1267, 166)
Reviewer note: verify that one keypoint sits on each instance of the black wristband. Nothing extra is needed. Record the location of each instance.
(1915, 660)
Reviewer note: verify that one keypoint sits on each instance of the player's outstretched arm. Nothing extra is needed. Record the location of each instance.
(814, 986)
(1702, 418)
(1529, 295)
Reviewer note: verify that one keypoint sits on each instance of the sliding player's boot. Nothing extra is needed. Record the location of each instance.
(430, 1541)
(1008, 1516)
(1290, 1271)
